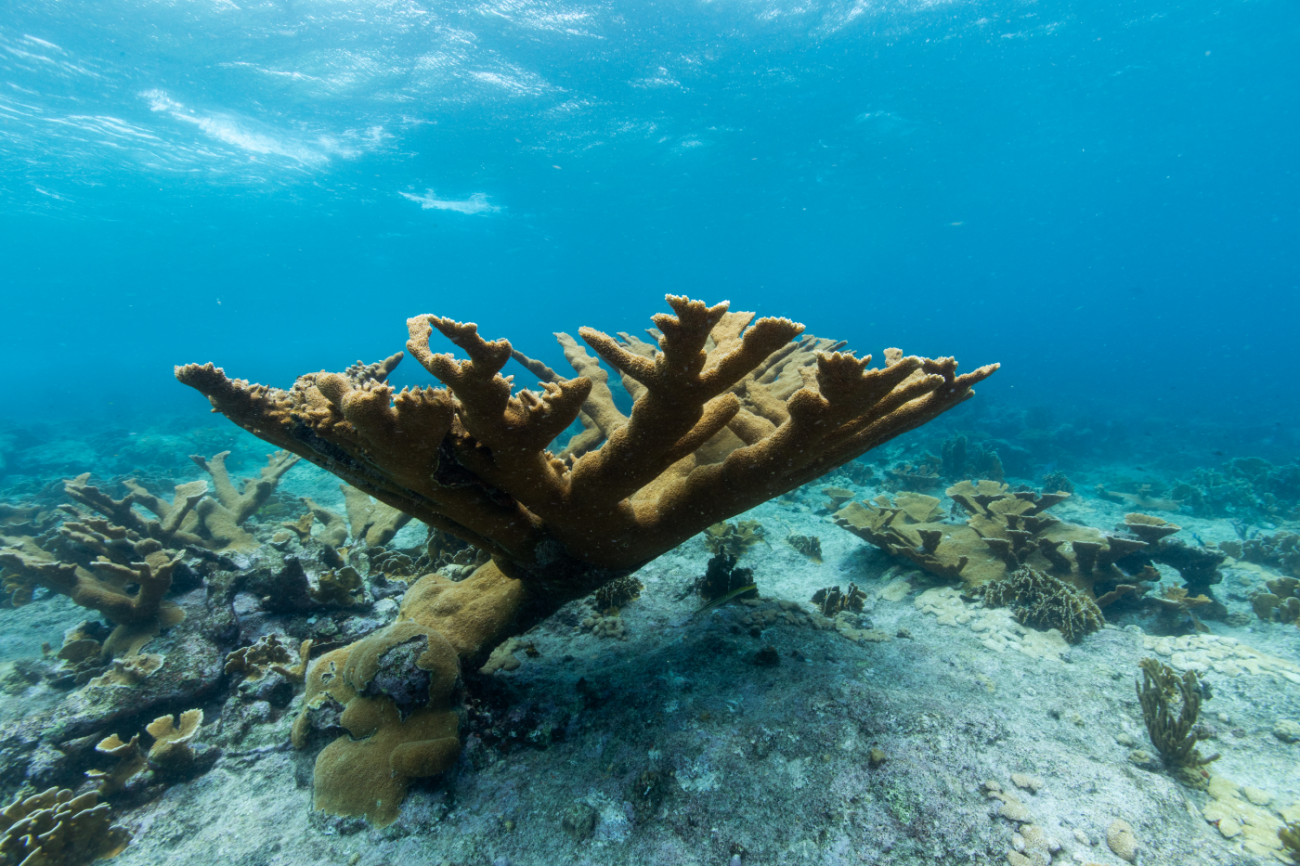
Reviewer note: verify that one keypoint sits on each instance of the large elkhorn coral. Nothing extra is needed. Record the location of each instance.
(728, 411)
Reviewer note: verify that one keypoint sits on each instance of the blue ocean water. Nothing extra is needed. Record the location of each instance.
(1102, 196)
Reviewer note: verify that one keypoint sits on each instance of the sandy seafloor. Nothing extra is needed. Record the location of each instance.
(687, 752)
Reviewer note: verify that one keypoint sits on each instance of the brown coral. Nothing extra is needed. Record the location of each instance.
(734, 539)
(1005, 531)
(1042, 601)
(832, 600)
(58, 829)
(729, 411)
(138, 615)
(617, 594)
(1174, 736)
(809, 545)
(395, 689)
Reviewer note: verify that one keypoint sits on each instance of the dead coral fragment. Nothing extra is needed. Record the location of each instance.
(1042, 601)
(58, 829)
(831, 600)
(733, 539)
(1175, 738)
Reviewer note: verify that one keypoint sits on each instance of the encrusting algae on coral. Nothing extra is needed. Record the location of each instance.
(729, 411)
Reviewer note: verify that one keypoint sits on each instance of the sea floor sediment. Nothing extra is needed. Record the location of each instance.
(927, 729)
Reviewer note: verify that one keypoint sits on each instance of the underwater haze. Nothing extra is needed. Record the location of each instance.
(1102, 196)
(696, 590)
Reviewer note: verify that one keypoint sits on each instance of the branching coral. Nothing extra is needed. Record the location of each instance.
(1281, 603)
(1007, 530)
(192, 517)
(168, 525)
(1289, 836)
(831, 600)
(373, 523)
(734, 539)
(1040, 600)
(138, 616)
(1281, 550)
(220, 518)
(58, 829)
(1175, 737)
(729, 411)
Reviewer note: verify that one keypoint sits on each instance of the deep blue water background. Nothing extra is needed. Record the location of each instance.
(1103, 196)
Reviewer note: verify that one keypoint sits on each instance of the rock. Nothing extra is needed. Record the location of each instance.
(1144, 759)
(1029, 783)
(1257, 796)
(1287, 731)
(580, 821)
(1014, 810)
(1122, 841)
